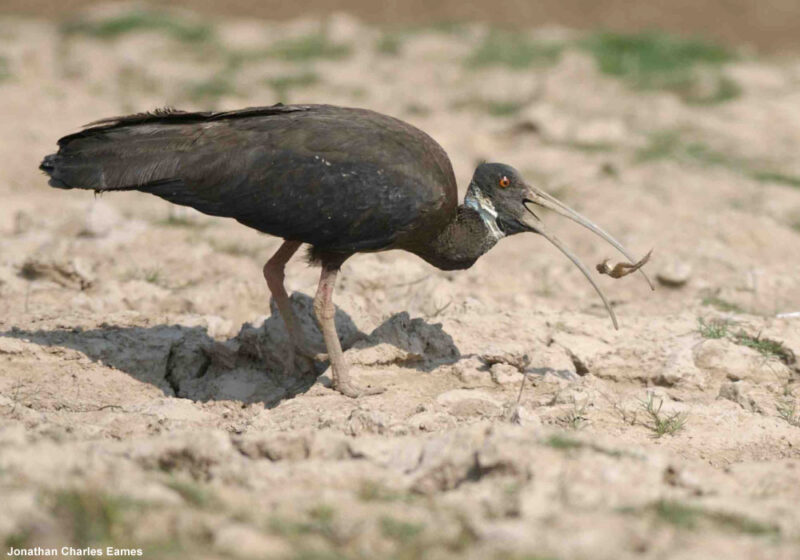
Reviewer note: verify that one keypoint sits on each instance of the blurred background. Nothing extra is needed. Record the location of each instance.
(686, 113)
(603, 96)
(769, 24)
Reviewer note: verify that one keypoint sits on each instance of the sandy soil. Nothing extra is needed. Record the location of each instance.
(140, 393)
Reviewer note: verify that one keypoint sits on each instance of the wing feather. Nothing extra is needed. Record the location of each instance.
(347, 179)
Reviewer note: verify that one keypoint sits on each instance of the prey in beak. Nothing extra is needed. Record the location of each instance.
(516, 204)
(540, 198)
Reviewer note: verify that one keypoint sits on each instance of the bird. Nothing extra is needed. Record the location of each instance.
(340, 180)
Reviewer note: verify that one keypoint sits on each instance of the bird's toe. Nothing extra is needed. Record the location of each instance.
(355, 391)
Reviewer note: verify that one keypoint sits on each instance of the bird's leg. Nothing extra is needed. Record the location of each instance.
(325, 312)
(274, 275)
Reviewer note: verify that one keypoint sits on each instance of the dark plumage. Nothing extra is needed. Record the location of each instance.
(341, 180)
(297, 172)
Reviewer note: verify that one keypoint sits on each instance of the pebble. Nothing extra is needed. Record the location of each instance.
(675, 274)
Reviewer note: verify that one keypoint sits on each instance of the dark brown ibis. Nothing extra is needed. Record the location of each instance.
(342, 180)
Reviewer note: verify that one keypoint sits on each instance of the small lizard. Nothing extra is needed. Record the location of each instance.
(623, 268)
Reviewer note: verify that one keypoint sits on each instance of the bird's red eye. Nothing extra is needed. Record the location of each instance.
(504, 182)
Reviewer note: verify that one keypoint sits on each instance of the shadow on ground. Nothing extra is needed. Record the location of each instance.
(186, 362)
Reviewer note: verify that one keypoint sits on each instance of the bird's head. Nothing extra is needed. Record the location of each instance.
(509, 205)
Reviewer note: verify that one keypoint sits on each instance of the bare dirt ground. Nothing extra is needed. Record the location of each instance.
(141, 398)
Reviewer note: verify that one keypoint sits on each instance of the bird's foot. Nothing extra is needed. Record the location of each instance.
(354, 391)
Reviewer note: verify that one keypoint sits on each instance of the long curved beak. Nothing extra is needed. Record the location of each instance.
(532, 221)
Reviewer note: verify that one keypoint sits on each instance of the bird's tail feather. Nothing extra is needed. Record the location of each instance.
(117, 160)
(50, 166)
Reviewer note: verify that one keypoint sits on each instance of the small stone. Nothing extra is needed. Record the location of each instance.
(674, 274)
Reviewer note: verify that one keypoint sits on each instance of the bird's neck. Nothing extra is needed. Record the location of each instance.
(471, 233)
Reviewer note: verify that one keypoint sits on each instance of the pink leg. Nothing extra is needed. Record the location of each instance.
(325, 312)
(274, 275)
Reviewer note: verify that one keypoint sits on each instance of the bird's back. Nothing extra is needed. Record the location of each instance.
(341, 179)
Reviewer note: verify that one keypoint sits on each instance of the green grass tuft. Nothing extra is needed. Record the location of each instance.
(310, 47)
(153, 275)
(493, 107)
(776, 177)
(787, 409)
(191, 492)
(373, 491)
(215, 87)
(720, 304)
(400, 531)
(576, 418)
(713, 329)
(282, 85)
(716, 329)
(685, 516)
(662, 425)
(19, 539)
(668, 144)
(655, 60)
(417, 109)
(389, 44)
(564, 442)
(765, 346)
(503, 108)
(320, 523)
(141, 20)
(92, 517)
(513, 51)
(648, 55)
(5, 71)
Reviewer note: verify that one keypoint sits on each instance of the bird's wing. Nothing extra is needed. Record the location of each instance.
(340, 178)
